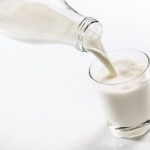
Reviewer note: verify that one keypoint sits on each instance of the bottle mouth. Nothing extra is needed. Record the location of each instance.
(82, 28)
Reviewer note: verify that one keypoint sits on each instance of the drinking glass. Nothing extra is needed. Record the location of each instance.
(126, 103)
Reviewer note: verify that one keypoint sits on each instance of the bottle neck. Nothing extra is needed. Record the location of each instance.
(90, 25)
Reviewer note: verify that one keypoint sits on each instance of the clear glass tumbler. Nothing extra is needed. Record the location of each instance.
(126, 103)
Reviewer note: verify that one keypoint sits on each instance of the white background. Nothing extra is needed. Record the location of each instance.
(47, 100)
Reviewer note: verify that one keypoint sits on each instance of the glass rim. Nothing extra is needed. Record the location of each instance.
(127, 81)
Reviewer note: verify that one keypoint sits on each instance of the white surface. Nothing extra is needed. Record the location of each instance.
(46, 104)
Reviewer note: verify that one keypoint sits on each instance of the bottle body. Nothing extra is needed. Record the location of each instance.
(46, 21)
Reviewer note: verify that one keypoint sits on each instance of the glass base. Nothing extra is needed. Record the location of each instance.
(130, 132)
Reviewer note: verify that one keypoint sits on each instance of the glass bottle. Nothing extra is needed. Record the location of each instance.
(49, 21)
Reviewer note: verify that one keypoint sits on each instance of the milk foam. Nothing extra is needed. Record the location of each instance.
(127, 70)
